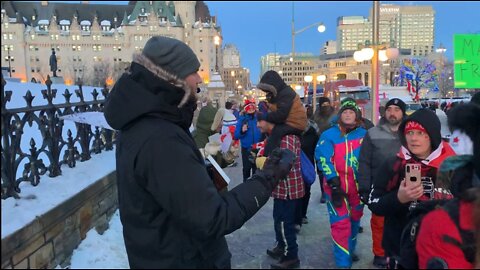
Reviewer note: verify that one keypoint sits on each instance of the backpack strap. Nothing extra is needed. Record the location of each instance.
(467, 237)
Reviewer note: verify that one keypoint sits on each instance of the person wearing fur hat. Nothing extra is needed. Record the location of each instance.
(460, 175)
(170, 209)
(337, 154)
(380, 142)
(285, 109)
(391, 197)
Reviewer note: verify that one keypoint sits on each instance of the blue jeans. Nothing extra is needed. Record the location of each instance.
(284, 222)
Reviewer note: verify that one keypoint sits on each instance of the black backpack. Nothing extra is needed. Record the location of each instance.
(408, 258)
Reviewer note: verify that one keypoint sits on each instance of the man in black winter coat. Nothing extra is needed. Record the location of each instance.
(171, 212)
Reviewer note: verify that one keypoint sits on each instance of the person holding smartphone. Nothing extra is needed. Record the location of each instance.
(392, 194)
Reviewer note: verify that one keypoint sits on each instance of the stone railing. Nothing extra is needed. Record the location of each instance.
(50, 239)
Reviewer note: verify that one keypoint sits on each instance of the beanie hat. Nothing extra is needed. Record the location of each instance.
(427, 119)
(172, 55)
(249, 105)
(413, 125)
(322, 100)
(347, 99)
(476, 98)
(271, 82)
(350, 105)
(464, 119)
(397, 102)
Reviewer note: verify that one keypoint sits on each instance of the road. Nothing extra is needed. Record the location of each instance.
(248, 244)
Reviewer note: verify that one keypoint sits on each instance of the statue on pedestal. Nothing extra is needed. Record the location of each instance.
(53, 63)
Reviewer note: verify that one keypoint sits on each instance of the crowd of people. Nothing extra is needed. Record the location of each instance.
(422, 186)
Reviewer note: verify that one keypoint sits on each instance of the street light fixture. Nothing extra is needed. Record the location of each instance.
(321, 28)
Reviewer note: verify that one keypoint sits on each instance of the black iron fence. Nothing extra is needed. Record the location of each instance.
(47, 117)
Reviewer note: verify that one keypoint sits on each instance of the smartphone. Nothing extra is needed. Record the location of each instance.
(413, 174)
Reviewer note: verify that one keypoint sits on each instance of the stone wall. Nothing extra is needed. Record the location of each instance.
(51, 238)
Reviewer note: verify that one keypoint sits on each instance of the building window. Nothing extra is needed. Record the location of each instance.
(66, 27)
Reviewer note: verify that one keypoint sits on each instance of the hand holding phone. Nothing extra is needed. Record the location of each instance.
(413, 175)
(411, 187)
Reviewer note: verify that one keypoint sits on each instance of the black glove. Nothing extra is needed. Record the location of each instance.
(364, 197)
(338, 194)
(277, 166)
(253, 155)
(261, 116)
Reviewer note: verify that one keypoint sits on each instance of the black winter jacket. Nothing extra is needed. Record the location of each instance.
(172, 214)
(379, 145)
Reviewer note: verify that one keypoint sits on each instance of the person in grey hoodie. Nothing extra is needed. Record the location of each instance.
(380, 143)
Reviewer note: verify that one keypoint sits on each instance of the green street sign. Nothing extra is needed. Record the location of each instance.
(467, 61)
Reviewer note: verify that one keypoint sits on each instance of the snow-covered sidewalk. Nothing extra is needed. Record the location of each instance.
(102, 251)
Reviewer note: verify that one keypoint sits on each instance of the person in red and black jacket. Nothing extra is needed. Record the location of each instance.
(287, 195)
(443, 247)
(390, 196)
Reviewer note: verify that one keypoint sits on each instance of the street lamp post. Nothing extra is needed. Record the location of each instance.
(441, 49)
(315, 78)
(9, 62)
(216, 40)
(373, 52)
(375, 66)
(321, 28)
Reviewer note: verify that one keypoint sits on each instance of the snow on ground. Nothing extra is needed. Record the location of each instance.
(102, 251)
(35, 201)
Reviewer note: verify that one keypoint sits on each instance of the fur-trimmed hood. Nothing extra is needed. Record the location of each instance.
(165, 75)
(271, 82)
(267, 88)
(147, 90)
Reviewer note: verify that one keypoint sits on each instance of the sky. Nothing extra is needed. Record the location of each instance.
(265, 27)
(258, 28)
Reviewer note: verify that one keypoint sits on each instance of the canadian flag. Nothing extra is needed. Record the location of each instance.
(409, 88)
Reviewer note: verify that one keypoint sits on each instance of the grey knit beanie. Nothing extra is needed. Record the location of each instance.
(172, 55)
